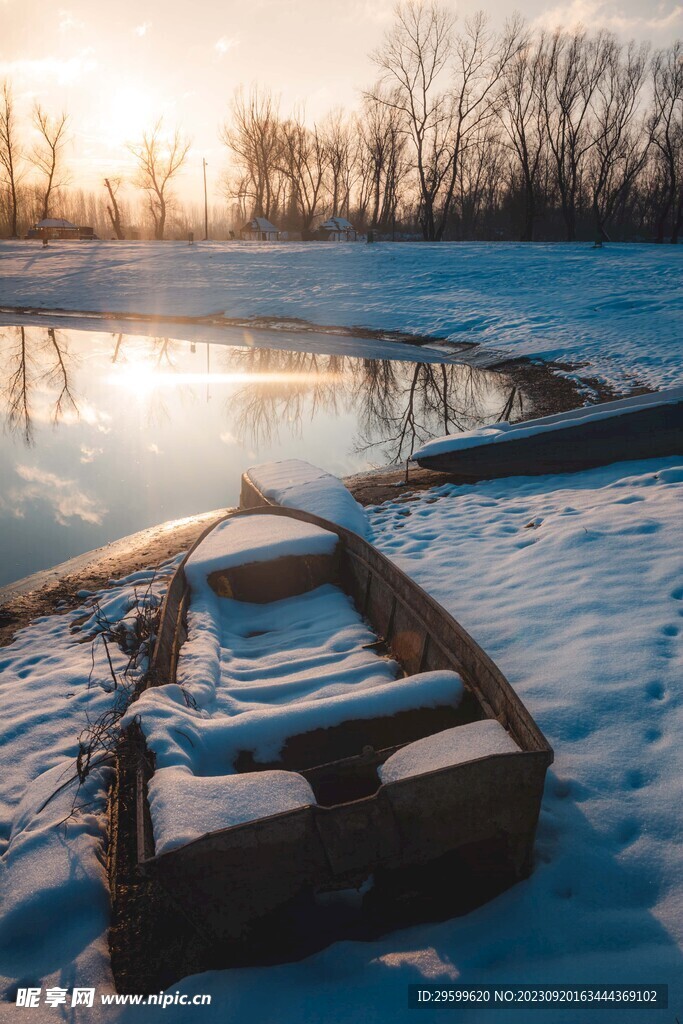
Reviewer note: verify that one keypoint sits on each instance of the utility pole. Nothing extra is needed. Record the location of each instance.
(206, 205)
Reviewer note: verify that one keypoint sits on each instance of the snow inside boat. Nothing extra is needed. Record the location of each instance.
(316, 722)
(641, 427)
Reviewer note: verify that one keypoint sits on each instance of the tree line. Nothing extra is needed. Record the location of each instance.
(466, 133)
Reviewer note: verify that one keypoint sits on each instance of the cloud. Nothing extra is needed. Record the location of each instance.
(46, 69)
(34, 474)
(64, 496)
(94, 417)
(85, 413)
(90, 454)
(227, 438)
(143, 29)
(608, 14)
(68, 21)
(224, 44)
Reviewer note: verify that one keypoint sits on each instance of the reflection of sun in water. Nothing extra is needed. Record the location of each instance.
(140, 380)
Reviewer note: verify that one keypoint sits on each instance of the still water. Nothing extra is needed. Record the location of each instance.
(108, 433)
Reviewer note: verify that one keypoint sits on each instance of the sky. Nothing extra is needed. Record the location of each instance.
(117, 66)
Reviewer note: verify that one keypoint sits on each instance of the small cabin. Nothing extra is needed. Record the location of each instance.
(337, 229)
(57, 227)
(259, 229)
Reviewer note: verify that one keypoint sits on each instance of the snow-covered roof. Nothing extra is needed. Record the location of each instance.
(55, 222)
(337, 224)
(259, 224)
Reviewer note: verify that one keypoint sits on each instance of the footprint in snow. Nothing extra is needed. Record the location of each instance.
(655, 690)
(635, 779)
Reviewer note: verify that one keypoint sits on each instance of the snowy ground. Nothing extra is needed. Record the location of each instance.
(54, 682)
(573, 586)
(617, 310)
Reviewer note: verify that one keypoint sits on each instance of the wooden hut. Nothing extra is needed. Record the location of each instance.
(259, 229)
(58, 227)
(337, 229)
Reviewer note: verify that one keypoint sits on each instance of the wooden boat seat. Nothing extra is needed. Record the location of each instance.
(263, 562)
(186, 806)
(266, 582)
(447, 749)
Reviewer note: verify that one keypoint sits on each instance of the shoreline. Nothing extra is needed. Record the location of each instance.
(527, 372)
(57, 589)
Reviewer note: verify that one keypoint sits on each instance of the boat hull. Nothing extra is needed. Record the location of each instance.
(476, 819)
(651, 432)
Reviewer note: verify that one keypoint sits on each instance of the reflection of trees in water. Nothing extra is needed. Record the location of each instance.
(57, 376)
(161, 351)
(398, 404)
(405, 404)
(309, 384)
(35, 361)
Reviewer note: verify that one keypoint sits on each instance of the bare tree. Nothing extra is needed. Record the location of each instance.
(112, 186)
(572, 67)
(342, 154)
(419, 53)
(621, 143)
(667, 130)
(159, 161)
(522, 118)
(413, 62)
(481, 59)
(304, 162)
(253, 136)
(481, 168)
(48, 155)
(10, 154)
(383, 164)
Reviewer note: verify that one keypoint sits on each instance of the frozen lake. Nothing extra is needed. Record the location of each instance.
(106, 433)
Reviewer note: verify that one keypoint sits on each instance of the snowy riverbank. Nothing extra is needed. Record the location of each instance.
(571, 584)
(617, 312)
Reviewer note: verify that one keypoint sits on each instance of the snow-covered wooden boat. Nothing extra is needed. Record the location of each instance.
(641, 427)
(416, 760)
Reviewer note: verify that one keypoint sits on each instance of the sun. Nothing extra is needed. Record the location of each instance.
(131, 111)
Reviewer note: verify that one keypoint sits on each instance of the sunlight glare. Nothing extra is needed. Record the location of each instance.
(131, 112)
(140, 381)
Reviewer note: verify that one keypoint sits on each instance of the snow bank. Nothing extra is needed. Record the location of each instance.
(53, 882)
(616, 311)
(447, 749)
(297, 484)
(54, 879)
(241, 540)
(182, 736)
(185, 807)
(505, 431)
